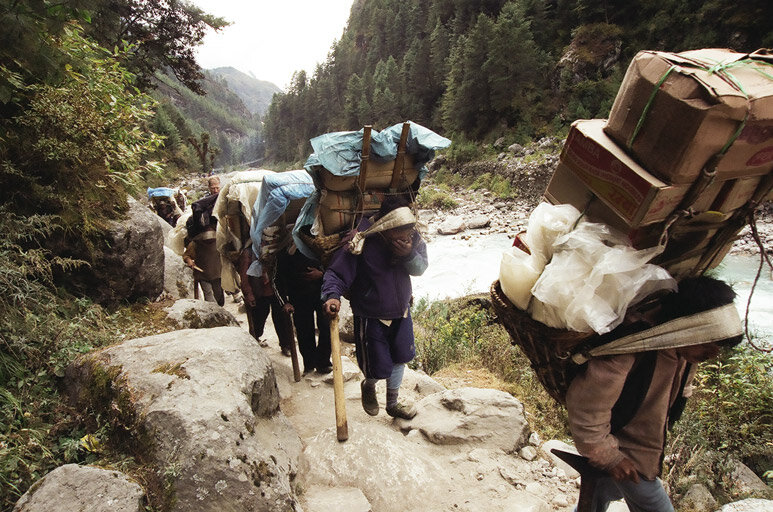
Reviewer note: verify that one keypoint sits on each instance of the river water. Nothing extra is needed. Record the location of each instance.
(461, 267)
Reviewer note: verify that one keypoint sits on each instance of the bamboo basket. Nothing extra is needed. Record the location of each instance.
(548, 349)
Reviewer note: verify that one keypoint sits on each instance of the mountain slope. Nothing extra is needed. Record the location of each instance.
(256, 94)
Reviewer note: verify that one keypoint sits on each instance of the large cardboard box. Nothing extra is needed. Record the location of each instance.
(638, 197)
(674, 112)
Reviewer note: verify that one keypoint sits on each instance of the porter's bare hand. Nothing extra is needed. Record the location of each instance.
(332, 307)
(625, 470)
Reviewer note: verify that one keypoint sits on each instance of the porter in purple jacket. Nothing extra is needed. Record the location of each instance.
(378, 284)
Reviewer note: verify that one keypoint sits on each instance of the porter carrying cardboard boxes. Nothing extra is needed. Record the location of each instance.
(599, 178)
(675, 112)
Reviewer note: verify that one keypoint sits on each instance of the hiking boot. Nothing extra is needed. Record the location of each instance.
(369, 400)
(324, 369)
(402, 411)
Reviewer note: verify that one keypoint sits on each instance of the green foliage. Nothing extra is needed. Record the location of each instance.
(463, 151)
(436, 197)
(446, 336)
(728, 417)
(164, 35)
(80, 143)
(524, 68)
(731, 410)
(498, 185)
(462, 333)
(42, 331)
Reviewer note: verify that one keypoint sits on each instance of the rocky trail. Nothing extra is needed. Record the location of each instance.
(467, 449)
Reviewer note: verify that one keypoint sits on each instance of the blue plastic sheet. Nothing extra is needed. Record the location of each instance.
(341, 152)
(160, 192)
(275, 194)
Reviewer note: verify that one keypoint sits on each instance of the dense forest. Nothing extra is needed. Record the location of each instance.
(480, 70)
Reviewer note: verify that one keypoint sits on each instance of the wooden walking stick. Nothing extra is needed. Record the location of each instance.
(294, 352)
(342, 429)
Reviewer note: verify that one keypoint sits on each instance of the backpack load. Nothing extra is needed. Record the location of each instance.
(352, 173)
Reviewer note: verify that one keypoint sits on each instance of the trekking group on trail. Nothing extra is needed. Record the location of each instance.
(620, 403)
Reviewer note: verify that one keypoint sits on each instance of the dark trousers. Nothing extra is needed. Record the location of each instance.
(282, 323)
(315, 354)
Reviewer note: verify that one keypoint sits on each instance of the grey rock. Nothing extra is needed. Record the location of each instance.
(749, 505)
(324, 499)
(197, 314)
(376, 461)
(205, 403)
(452, 225)
(74, 487)
(178, 277)
(698, 499)
(528, 453)
(745, 481)
(478, 221)
(130, 263)
(481, 417)
(515, 149)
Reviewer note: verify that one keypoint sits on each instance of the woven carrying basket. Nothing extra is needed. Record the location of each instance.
(548, 349)
(323, 245)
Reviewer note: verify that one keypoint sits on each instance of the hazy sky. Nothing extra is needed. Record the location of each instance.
(272, 38)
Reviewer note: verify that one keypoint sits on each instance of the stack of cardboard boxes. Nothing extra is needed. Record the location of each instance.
(686, 152)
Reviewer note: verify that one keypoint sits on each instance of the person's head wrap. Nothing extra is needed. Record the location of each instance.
(397, 218)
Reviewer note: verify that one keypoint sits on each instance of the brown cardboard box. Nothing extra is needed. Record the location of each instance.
(695, 111)
(565, 187)
(638, 197)
(378, 175)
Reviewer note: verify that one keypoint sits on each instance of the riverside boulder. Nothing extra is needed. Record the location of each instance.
(204, 402)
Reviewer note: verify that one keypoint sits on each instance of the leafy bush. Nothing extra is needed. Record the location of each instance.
(436, 198)
(729, 416)
(80, 143)
(463, 151)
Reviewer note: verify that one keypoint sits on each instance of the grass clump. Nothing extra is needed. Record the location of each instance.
(436, 197)
(498, 185)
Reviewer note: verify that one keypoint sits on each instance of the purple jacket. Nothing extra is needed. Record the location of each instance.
(379, 284)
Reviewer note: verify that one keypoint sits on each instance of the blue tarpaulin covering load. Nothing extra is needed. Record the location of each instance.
(276, 193)
(340, 152)
(161, 192)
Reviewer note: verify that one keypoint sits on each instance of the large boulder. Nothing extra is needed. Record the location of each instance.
(482, 417)
(74, 487)
(129, 265)
(178, 277)
(204, 402)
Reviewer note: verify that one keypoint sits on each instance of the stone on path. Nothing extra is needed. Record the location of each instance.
(452, 225)
(485, 417)
(198, 314)
(74, 487)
